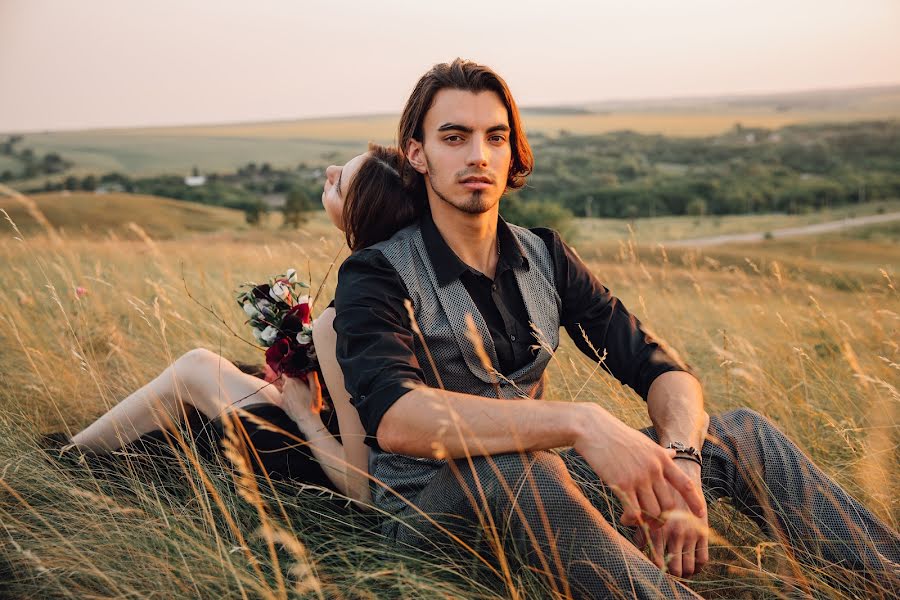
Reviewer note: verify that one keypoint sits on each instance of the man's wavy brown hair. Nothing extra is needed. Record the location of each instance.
(471, 77)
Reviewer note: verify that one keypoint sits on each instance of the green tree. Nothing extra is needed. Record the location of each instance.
(696, 207)
(296, 207)
(254, 211)
(533, 213)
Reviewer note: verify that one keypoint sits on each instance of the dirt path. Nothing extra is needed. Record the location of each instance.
(786, 232)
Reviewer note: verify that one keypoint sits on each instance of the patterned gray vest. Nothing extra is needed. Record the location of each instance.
(440, 312)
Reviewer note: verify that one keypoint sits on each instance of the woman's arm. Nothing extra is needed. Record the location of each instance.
(296, 401)
(352, 433)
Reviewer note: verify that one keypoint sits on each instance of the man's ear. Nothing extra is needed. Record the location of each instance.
(415, 154)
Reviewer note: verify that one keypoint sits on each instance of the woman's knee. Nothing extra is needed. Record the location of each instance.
(197, 371)
(197, 358)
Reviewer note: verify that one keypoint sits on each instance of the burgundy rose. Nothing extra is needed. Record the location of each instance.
(285, 356)
(295, 319)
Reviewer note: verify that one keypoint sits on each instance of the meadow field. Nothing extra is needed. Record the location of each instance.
(804, 331)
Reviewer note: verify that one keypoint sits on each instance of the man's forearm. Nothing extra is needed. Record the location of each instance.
(434, 423)
(675, 404)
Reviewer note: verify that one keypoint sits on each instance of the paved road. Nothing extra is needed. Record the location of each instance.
(786, 232)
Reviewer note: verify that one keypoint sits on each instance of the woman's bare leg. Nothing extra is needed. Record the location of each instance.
(199, 377)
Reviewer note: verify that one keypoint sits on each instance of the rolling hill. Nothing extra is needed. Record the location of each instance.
(85, 213)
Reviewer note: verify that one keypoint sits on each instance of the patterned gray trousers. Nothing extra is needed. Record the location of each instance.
(552, 510)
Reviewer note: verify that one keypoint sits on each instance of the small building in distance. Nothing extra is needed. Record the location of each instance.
(195, 180)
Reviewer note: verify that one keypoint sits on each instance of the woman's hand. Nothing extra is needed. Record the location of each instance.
(273, 378)
(302, 401)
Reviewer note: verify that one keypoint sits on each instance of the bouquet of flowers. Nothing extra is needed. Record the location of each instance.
(282, 322)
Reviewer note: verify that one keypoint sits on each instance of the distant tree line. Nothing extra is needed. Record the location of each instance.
(33, 164)
(242, 190)
(621, 175)
(745, 170)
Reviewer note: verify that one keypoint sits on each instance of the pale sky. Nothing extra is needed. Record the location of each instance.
(96, 63)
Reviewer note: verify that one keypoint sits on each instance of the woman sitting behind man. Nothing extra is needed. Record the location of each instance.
(366, 199)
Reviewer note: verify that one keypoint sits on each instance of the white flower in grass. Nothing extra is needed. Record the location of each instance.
(280, 291)
(269, 334)
(291, 275)
(250, 310)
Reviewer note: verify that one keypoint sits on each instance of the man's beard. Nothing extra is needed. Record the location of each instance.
(474, 204)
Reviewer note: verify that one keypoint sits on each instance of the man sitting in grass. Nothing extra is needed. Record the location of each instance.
(449, 388)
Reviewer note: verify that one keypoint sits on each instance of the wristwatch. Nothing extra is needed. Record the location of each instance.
(685, 452)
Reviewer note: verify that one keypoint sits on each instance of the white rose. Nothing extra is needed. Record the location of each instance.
(280, 291)
(250, 310)
(291, 275)
(304, 338)
(257, 334)
(269, 334)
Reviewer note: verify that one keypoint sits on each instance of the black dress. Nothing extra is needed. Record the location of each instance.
(281, 457)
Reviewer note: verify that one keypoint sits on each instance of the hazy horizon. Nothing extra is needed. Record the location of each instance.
(113, 65)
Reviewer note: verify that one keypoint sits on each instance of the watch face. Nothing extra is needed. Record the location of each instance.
(678, 445)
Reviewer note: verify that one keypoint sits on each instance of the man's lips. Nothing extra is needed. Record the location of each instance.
(476, 183)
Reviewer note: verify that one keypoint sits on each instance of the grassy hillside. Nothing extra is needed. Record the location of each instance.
(769, 326)
(84, 213)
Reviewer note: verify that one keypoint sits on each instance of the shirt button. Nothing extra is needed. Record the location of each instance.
(363, 397)
(494, 287)
(512, 337)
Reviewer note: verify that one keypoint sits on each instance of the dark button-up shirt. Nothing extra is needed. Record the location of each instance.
(376, 345)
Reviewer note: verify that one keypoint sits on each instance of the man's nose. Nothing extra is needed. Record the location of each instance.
(478, 153)
(331, 173)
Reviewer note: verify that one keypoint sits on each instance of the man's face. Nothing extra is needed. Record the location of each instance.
(466, 153)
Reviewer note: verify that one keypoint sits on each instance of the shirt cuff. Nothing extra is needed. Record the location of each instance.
(659, 370)
(373, 406)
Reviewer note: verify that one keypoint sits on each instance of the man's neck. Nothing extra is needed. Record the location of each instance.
(472, 237)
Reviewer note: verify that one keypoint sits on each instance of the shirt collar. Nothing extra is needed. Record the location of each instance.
(448, 266)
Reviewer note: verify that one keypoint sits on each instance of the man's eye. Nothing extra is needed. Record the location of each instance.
(452, 138)
(498, 138)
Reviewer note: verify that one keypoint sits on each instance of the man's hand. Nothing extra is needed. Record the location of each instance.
(683, 539)
(641, 473)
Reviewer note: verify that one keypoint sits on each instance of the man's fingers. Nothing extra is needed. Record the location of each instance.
(687, 556)
(631, 509)
(658, 547)
(665, 495)
(674, 548)
(686, 487)
(649, 505)
(702, 554)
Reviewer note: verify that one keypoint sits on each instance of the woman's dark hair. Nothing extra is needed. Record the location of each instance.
(467, 76)
(376, 203)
